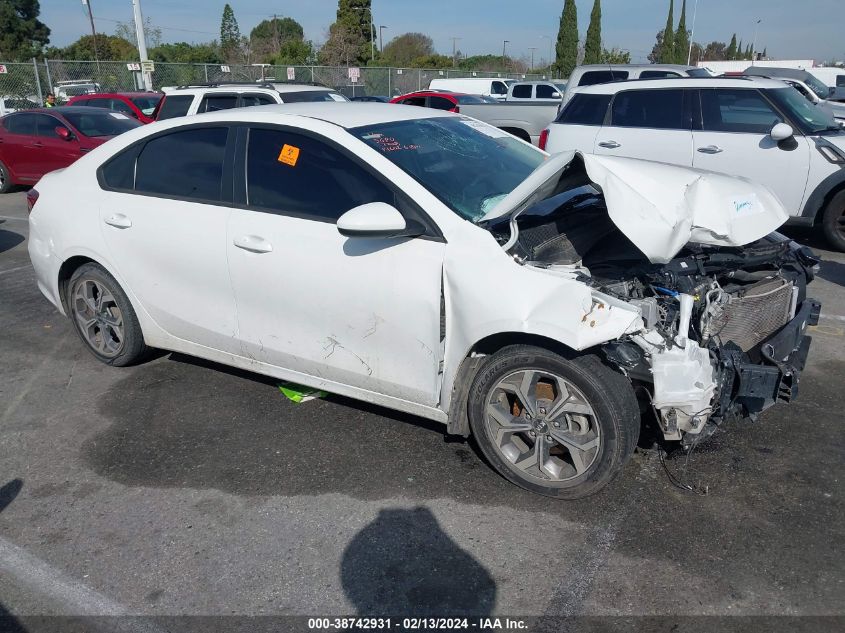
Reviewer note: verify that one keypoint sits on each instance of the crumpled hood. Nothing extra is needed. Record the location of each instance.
(661, 207)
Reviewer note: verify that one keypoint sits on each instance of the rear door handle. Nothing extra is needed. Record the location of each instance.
(711, 149)
(610, 144)
(118, 220)
(253, 244)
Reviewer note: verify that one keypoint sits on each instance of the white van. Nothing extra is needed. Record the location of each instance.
(484, 86)
(833, 77)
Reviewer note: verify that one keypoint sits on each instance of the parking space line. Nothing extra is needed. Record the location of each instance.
(46, 364)
(13, 219)
(13, 270)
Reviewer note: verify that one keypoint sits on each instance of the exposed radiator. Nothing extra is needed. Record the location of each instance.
(754, 314)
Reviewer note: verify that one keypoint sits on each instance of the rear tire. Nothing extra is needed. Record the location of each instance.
(6, 184)
(833, 222)
(559, 427)
(103, 316)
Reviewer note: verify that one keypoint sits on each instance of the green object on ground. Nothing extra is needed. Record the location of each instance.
(299, 394)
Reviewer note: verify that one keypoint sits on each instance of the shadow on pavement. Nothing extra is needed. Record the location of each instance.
(8, 622)
(8, 492)
(834, 272)
(404, 563)
(9, 239)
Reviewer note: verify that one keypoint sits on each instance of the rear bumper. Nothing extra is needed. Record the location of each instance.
(757, 386)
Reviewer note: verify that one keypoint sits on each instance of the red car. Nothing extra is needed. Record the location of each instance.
(34, 142)
(138, 105)
(438, 100)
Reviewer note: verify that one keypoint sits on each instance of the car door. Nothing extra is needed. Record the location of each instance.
(55, 152)
(652, 124)
(734, 139)
(18, 148)
(349, 311)
(163, 217)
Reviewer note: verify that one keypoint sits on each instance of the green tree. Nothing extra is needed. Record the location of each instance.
(682, 47)
(592, 45)
(730, 53)
(654, 55)
(764, 53)
(667, 50)
(22, 34)
(740, 53)
(615, 56)
(126, 31)
(182, 52)
(230, 33)
(404, 49)
(109, 47)
(715, 52)
(354, 23)
(269, 37)
(566, 51)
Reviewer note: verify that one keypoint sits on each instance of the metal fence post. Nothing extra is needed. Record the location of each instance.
(49, 79)
(38, 83)
(205, 67)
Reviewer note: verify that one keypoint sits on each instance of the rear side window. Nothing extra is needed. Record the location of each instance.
(414, 101)
(174, 106)
(547, 92)
(440, 103)
(289, 173)
(20, 124)
(256, 100)
(98, 103)
(737, 110)
(594, 77)
(522, 91)
(659, 109)
(658, 74)
(119, 172)
(186, 164)
(585, 110)
(215, 103)
(307, 96)
(840, 81)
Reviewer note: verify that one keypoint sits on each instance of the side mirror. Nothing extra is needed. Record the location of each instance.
(781, 132)
(831, 91)
(556, 95)
(376, 219)
(63, 133)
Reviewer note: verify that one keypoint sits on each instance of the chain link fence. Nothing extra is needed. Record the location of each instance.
(23, 83)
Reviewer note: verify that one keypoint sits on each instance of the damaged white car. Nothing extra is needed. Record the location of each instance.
(433, 264)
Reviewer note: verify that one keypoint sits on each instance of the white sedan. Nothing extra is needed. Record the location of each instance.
(430, 263)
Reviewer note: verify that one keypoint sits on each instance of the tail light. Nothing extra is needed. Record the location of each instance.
(31, 199)
(544, 138)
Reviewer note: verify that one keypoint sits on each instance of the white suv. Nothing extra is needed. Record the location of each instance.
(199, 98)
(760, 129)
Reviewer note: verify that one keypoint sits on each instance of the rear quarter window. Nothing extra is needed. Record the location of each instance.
(594, 77)
(585, 110)
(175, 106)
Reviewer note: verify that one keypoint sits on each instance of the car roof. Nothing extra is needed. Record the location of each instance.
(66, 109)
(634, 67)
(346, 115)
(680, 82)
(435, 92)
(268, 87)
(137, 93)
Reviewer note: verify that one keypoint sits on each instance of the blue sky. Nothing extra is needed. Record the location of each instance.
(482, 25)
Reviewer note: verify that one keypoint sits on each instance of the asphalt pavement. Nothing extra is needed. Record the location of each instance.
(181, 487)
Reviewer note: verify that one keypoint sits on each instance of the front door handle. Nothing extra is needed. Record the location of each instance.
(711, 149)
(610, 144)
(253, 244)
(119, 221)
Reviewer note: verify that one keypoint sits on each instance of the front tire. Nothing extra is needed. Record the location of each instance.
(833, 222)
(103, 317)
(6, 184)
(559, 427)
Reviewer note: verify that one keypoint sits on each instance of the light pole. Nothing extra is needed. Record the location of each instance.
(692, 32)
(87, 3)
(455, 51)
(754, 41)
(532, 49)
(504, 49)
(142, 42)
(551, 41)
(380, 40)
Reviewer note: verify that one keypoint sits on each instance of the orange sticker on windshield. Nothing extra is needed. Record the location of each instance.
(289, 155)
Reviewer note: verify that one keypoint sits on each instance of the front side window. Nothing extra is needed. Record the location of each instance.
(47, 125)
(184, 164)
(440, 103)
(118, 105)
(469, 165)
(659, 109)
(739, 110)
(545, 91)
(215, 103)
(175, 106)
(522, 91)
(101, 122)
(585, 109)
(499, 88)
(290, 173)
(146, 104)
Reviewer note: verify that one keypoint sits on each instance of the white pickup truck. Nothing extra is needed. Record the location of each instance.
(523, 120)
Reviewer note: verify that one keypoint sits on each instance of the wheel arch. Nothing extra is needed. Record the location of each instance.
(458, 420)
(821, 196)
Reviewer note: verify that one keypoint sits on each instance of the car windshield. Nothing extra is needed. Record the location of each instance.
(821, 90)
(94, 123)
(467, 164)
(146, 104)
(468, 99)
(809, 116)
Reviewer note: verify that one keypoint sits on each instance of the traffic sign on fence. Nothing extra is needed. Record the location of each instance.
(225, 69)
(291, 74)
(133, 66)
(354, 74)
(147, 66)
(3, 69)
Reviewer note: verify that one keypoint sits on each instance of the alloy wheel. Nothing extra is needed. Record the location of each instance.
(542, 425)
(98, 316)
